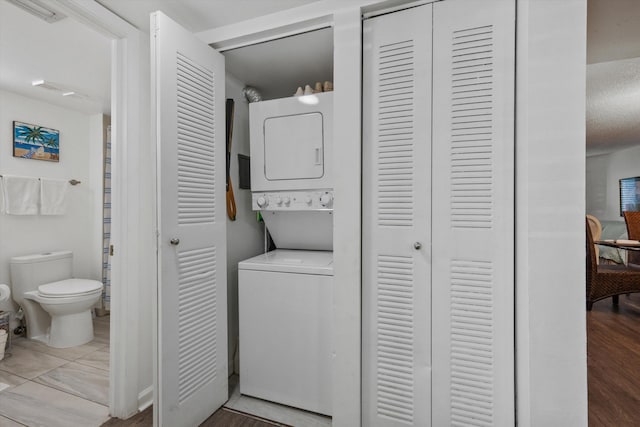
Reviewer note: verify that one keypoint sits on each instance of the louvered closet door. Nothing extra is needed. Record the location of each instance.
(473, 213)
(192, 316)
(396, 208)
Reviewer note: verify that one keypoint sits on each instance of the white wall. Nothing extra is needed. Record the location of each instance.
(603, 175)
(144, 212)
(133, 228)
(550, 204)
(245, 236)
(596, 170)
(76, 230)
(347, 217)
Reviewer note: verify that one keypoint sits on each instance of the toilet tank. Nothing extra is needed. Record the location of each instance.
(30, 271)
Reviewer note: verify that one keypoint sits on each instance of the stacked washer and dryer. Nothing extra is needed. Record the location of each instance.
(285, 295)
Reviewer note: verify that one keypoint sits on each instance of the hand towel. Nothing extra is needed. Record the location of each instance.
(52, 196)
(21, 195)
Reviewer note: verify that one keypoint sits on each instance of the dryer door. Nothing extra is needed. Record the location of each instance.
(293, 147)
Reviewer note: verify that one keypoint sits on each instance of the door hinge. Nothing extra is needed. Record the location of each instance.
(111, 250)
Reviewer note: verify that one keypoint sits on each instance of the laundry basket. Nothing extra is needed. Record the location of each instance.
(5, 340)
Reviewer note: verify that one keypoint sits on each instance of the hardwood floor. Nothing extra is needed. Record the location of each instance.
(141, 419)
(222, 418)
(229, 418)
(613, 360)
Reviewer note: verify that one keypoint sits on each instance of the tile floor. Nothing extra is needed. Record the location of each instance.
(56, 387)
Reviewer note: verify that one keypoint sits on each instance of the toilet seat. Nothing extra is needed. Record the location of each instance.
(69, 288)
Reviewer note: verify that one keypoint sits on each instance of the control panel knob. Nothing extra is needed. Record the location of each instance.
(287, 201)
(278, 201)
(325, 199)
(262, 201)
(308, 200)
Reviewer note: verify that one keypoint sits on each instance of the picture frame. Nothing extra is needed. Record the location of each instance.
(629, 194)
(35, 142)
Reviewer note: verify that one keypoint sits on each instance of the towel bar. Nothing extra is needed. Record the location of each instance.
(71, 181)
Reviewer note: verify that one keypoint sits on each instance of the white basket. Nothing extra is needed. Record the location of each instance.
(3, 342)
(5, 333)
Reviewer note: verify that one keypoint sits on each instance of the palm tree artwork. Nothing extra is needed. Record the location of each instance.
(35, 142)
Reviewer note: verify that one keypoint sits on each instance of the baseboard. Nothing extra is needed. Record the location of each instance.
(145, 398)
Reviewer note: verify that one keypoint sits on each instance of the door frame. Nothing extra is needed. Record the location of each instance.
(346, 318)
(530, 242)
(345, 16)
(537, 364)
(129, 106)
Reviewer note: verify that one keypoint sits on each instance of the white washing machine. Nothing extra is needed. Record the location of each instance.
(285, 328)
(285, 296)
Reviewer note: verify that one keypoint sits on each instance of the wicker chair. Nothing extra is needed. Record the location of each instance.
(632, 219)
(596, 233)
(605, 281)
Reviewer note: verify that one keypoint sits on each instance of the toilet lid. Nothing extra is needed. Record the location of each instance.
(69, 287)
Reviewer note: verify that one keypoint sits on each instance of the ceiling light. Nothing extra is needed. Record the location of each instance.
(39, 9)
(308, 99)
(76, 95)
(63, 90)
(45, 85)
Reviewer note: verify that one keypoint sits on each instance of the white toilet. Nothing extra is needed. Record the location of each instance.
(57, 307)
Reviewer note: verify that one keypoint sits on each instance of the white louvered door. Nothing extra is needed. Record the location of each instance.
(396, 219)
(473, 213)
(192, 313)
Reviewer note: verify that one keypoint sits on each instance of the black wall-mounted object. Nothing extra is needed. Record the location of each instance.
(629, 194)
(244, 172)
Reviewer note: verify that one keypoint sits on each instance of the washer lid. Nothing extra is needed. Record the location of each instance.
(69, 287)
(292, 261)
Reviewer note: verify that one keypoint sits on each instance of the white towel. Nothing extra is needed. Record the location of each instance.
(52, 196)
(21, 195)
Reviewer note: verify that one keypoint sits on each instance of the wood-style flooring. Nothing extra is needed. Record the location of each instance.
(222, 418)
(613, 360)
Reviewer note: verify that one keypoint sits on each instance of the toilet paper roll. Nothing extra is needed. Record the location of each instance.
(5, 292)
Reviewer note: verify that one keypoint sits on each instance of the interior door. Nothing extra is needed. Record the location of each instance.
(396, 389)
(188, 79)
(473, 213)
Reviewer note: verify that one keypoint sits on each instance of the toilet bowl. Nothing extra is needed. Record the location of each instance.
(57, 307)
(68, 303)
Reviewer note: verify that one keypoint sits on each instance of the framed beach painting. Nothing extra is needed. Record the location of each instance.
(35, 142)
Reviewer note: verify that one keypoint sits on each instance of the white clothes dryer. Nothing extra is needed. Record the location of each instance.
(292, 143)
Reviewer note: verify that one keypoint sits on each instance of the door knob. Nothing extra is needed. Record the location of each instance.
(417, 245)
(174, 241)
